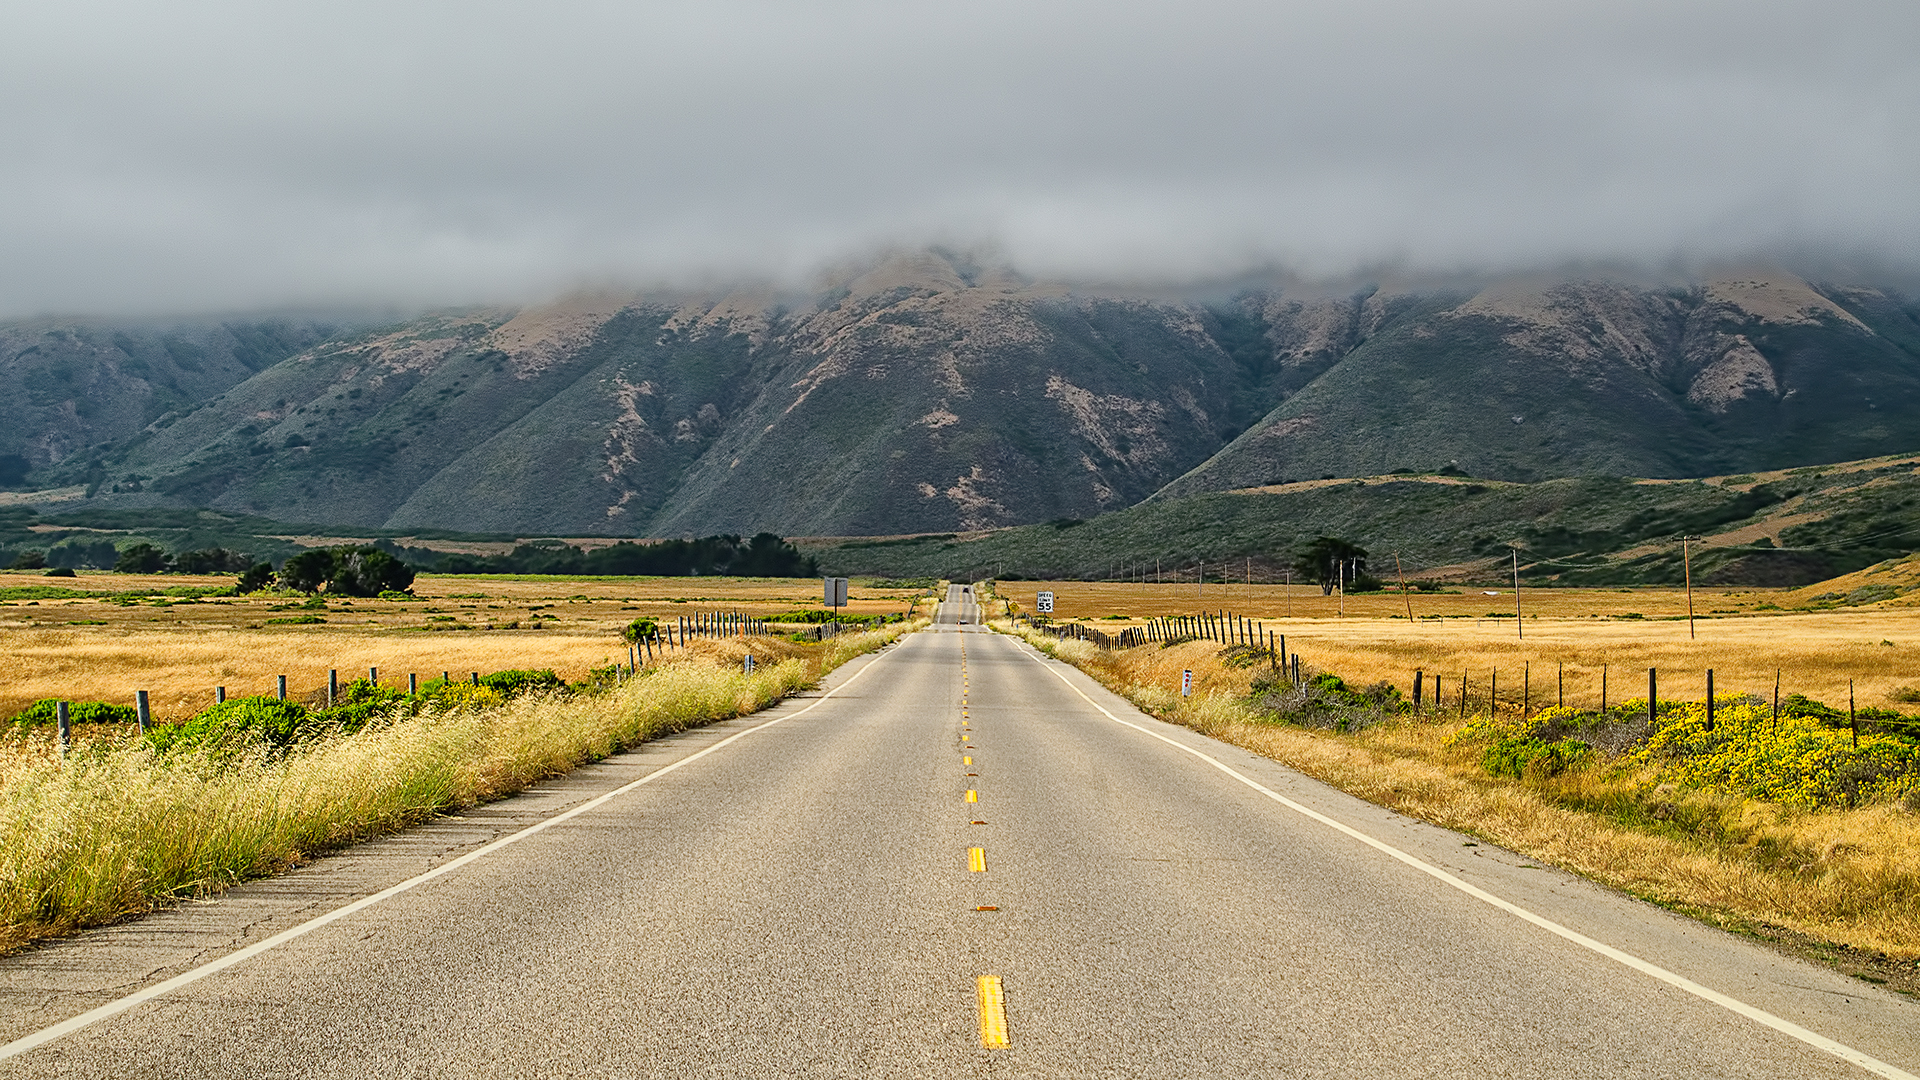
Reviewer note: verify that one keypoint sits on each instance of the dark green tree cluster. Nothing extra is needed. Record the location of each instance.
(145, 558)
(765, 555)
(343, 571)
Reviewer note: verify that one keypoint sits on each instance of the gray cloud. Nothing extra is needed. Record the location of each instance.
(201, 155)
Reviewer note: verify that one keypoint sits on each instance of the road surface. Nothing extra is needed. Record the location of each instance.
(962, 860)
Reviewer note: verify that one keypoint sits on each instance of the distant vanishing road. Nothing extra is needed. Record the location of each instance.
(960, 845)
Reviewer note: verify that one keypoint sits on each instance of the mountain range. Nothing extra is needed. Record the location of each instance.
(930, 393)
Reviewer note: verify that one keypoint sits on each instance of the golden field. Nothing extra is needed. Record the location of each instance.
(103, 649)
(1584, 630)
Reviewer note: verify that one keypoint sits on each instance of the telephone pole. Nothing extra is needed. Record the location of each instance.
(1518, 622)
(1686, 562)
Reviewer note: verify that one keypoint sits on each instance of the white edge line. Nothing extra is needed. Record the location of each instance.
(114, 1008)
(1734, 1005)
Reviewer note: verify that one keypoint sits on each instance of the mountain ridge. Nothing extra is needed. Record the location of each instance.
(930, 393)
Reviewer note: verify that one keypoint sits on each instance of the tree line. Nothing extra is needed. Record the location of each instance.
(764, 555)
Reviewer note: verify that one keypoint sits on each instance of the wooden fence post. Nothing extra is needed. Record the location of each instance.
(1417, 676)
(280, 688)
(141, 711)
(333, 686)
(1653, 695)
(1709, 699)
(63, 723)
(219, 695)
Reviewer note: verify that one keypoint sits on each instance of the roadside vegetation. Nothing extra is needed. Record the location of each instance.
(1791, 832)
(123, 823)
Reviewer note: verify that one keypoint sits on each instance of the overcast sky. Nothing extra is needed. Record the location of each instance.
(195, 156)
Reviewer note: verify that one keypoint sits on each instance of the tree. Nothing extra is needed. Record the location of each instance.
(258, 576)
(212, 561)
(368, 571)
(308, 571)
(346, 571)
(30, 560)
(141, 559)
(1329, 560)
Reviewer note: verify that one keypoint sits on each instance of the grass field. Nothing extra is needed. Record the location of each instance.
(1623, 632)
(125, 634)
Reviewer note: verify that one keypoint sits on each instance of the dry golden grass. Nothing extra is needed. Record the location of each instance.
(104, 650)
(113, 828)
(1848, 877)
(1816, 653)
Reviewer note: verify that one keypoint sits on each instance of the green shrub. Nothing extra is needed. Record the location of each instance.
(238, 725)
(257, 577)
(1524, 757)
(78, 712)
(361, 701)
(513, 683)
(639, 630)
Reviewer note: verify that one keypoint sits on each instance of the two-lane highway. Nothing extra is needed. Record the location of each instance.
(964, 860)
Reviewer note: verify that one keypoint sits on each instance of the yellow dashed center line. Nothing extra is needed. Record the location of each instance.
(972, 795)
(993, 1013)
(965, 760)
(977, 860)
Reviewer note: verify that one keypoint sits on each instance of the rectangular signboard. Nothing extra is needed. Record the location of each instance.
(836, 590)
(1043, 603)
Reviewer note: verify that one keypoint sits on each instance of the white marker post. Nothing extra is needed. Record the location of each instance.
(1186, 683)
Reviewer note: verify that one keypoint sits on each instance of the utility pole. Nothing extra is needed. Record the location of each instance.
(1340, 577)
(1517, 620)
(1686, 561)
(1289, 591)
(1403, 586)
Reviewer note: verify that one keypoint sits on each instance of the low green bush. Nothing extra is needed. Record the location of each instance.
(240, 725)
(78, 712)
(514, 682)
(1521, 757)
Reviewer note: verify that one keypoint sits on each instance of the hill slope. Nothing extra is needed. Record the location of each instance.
(930, 394)
(1781, 528)
(1533, 379)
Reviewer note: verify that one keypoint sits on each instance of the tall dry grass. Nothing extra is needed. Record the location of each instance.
(1850, 876)
(116, 829)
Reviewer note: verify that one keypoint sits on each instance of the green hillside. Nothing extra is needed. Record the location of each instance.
(1782, 528)
(930, 394)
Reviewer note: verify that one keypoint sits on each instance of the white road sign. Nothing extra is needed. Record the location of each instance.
(1043, 603)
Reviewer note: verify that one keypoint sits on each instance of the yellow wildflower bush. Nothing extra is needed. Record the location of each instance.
(1800, 761)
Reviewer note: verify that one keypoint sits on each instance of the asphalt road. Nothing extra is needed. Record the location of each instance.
(806, 899)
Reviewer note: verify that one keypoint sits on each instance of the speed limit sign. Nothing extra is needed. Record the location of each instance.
(1043, 603)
